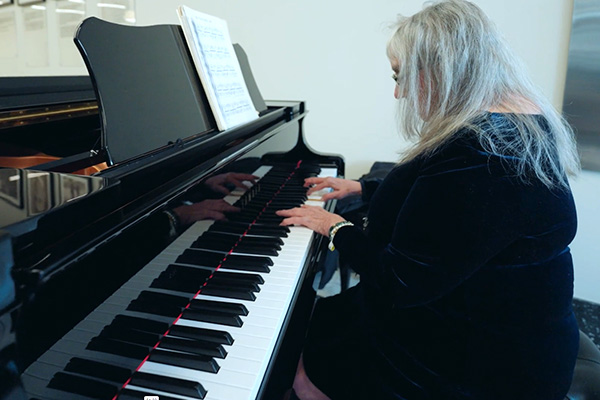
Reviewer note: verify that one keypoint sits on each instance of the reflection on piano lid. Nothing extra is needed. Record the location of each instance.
(52, 121)
(27, 194)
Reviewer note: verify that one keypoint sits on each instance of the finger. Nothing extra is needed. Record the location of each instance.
(221, 189)
(319, 186)
(338, 194)
(220, 205)
(244, 177)
(291, 212)
(296, 221)
(238, 183)
(285, 213)
(214, 215)
(227, 208)
(309, 207)
(312, 181)
(331, 195)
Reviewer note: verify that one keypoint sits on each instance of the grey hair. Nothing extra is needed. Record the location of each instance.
(454, 65)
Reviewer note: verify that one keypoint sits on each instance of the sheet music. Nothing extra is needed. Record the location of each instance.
(218, 67)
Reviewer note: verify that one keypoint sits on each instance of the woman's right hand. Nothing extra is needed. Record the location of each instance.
(214, 209)
(341, 187)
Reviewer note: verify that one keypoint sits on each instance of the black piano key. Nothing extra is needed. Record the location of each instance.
(238, 262)
(140, 324)
(179, 301)
(111, 346)
(243, 277)
(281, 203)
(247, 219)
(214, 317)
(309, 168)
(256, 249)
(181, 278)
(241, 247)
(193, 346)
(169, 385)
(178, 286)
(259, 230)
(230, 293)
(83, 386)
(232, 308)
(237, 259)
(218, 281)
(197, 257)
(218, 276)
(99, 370)
(188, 272)
(149, 307)
(246, 267)
(246, 239)
(130, 336)
(192, 361)
(268, 219)
(231, 276)
(210, 335)
(159, 303)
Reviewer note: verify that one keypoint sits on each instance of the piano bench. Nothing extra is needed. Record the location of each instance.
(586, 378)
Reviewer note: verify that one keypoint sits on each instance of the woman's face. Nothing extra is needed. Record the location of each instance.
(422, 86)
(396, 69)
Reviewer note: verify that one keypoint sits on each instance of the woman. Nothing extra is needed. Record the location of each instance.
(466, 279)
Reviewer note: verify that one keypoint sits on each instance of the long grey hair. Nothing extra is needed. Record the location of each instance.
(454, 65)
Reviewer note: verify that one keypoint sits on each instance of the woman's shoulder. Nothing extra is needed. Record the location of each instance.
(488, 138)
(463, 150)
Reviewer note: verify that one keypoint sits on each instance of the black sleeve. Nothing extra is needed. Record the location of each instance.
(368, 187)
(452, 221)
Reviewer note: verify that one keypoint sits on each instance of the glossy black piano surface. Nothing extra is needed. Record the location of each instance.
(112, 249)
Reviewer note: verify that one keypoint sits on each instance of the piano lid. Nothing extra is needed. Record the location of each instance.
(28, 195)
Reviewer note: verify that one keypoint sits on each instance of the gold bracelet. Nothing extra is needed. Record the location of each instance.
(334, 229)
(173, 222)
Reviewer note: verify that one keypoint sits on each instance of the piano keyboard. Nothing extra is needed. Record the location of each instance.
(178, 330)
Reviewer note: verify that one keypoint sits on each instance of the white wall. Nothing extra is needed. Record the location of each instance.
(37, 39)
(586, 246)
(332, 55)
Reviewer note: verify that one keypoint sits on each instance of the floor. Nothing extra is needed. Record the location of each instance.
(587, 313)
(588, 318)
(333, 287)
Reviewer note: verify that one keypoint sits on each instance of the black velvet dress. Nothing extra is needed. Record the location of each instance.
(466, 283)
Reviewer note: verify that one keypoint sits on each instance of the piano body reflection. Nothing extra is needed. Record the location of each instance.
(101, 295)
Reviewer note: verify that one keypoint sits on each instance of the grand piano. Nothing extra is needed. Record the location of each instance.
(103, 293)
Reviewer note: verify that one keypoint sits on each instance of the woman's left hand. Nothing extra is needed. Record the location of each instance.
(312, 217)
